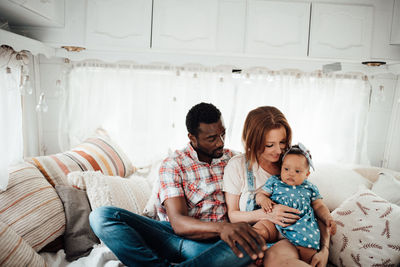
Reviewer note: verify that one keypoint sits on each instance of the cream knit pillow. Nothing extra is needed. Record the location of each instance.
(131, 194)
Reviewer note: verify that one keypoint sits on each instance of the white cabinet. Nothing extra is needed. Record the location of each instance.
(118, 24)
(33, 12)
(194, 25)
(277, 28)
(395, 29)
(341, 31)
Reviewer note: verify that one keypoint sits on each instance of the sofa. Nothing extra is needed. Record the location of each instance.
(44, 211)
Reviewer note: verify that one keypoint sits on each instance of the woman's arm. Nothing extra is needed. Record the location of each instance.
(280, 214)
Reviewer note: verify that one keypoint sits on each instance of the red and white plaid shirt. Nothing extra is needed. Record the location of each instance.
(183, 175)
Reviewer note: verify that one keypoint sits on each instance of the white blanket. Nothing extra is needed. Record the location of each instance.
(100, 256)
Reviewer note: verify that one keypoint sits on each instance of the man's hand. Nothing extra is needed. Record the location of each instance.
(244, 235)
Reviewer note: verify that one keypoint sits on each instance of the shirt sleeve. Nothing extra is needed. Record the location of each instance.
(170, 180)
(314, 192)
(233, 177)
(269, 185)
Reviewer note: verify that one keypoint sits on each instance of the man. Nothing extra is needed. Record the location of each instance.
(193, 230)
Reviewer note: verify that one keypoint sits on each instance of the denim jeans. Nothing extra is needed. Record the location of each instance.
(140, 241)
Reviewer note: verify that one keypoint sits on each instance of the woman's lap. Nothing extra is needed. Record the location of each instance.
(283, 253)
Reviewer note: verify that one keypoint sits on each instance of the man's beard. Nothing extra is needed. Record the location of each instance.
(214, 155)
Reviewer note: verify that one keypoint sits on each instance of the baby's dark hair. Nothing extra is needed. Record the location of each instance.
(296, 150)
(202, 112)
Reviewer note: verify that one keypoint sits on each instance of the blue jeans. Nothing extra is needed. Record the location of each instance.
(140, 241)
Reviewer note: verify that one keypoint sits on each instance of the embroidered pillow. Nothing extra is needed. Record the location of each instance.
(131, 194)
(95, 154)
(14, 251)
(368, 232)
(31, 206)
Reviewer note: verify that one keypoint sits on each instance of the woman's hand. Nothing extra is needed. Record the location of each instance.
(320, 259)
(283, 215)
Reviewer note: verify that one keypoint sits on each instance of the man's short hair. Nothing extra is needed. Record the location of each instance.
(202, 112)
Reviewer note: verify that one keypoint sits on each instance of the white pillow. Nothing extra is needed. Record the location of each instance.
(388, 188)
(336, 183)
(368, 232)
(131, 194)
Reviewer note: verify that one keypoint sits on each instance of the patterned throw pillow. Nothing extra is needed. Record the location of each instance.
(95, 154)
(31, 207)
(368, 232)
(14, 251)
(131, 194)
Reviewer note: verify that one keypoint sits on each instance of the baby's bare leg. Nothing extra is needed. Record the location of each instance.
(306, 254)
(267, 230)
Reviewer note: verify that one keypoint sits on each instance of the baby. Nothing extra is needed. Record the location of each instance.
(292, 189)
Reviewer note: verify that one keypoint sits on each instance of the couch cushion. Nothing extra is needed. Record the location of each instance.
(98, 153)
(14, 251)
(336, 183)
(368, 232)
(131, 194)
(31, 206)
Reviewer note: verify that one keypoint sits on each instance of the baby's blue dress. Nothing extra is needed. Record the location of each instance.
(305, 231)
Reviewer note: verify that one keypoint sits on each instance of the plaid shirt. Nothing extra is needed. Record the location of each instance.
(183, 175)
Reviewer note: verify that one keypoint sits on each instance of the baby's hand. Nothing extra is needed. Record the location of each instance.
(331, 224)
(267, 205)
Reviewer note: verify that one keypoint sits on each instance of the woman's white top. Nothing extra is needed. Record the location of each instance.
(235, 178)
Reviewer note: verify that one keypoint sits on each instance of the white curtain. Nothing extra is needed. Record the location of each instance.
(10, 113)
(143, 108)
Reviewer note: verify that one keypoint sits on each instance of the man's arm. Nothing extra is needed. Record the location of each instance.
(232, 233)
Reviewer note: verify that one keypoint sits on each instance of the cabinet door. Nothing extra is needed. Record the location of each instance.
(118, 24)
(341, 31)
(38, 12)
(207, 25)
(277, 28)
(395, 32)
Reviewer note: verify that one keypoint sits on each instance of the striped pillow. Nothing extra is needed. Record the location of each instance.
(31, 207)
(14, 251)
(95, 154)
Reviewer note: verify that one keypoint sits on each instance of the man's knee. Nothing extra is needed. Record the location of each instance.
(99, 217)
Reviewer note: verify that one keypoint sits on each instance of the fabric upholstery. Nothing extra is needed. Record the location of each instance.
(336, 183)
(31, 207)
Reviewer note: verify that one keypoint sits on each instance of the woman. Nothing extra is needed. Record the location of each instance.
(266, 135)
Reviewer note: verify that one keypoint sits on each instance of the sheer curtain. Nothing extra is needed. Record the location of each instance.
(10, 113)
(144, 107)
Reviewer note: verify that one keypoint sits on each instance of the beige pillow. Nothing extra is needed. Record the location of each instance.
(336, 183)
(372, 173)
(388, 188)
(14, 251)
(98, 153)
(131, 194)
(368, 232)
(31, 206)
